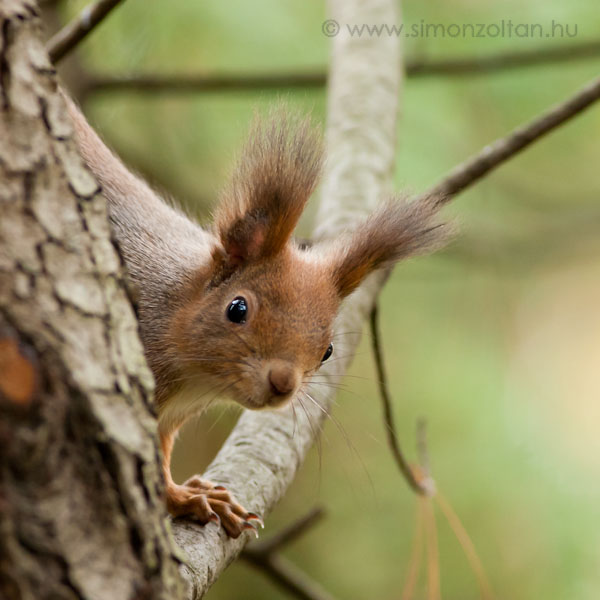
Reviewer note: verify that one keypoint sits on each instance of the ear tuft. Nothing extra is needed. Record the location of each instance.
(244, 240)
(398, 229)
(274, 178)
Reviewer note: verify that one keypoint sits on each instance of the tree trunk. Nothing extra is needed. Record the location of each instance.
(81, 509)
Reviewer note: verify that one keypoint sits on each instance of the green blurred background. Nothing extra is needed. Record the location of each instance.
(495, 341)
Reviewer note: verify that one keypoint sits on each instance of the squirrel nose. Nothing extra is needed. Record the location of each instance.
(282, 378)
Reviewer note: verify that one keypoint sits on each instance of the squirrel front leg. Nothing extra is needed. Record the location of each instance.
(203, 500)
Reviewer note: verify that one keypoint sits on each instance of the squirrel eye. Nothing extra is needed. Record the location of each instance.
(328, 353)
(237, 310)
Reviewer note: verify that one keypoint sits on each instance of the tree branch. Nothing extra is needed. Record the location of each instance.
(290, 578)
(62, 42)
(262, 455)
(242, 82)
(265, 557)
(199, 83)
(501, 150)
(503, 61)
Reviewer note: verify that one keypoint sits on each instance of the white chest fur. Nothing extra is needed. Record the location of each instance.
(193, 398)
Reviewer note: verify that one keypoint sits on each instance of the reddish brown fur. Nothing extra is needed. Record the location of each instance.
(269, 188)
(279, 326)
(186, 277)
(396, 230)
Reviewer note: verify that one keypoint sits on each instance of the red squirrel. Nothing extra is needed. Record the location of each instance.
(239, 309)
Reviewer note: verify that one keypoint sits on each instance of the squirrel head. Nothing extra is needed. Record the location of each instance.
(257, 322)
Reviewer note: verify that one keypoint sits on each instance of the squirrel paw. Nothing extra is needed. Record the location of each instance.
(207, 502)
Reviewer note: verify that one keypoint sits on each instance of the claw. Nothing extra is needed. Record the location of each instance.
(255, 517)
(202, 501)
(249, 527)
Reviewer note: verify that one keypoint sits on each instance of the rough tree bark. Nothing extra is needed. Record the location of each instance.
(81, 513)
(80, 508)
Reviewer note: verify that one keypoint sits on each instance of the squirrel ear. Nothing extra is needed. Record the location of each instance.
(274, 178)
(397, 230)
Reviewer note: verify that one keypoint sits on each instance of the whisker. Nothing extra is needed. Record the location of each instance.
(316, 439)
(209, 405)
(336, 358)
(341, 388)
(252, 350)
(339, 333)
(295, 418)
(345, 436)
(218, 419)
(190, 377)
(346, 375)
(215, 361)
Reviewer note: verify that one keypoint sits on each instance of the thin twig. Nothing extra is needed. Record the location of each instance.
(71, 34)
(422, 451)
(388, 413)
(414, 563)
(290, 578)
(264, 555)
(508, 146)
(199, 83)
(504, 61)
(432, 549)
(196, 83)
(419, 478)
(468, 547)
